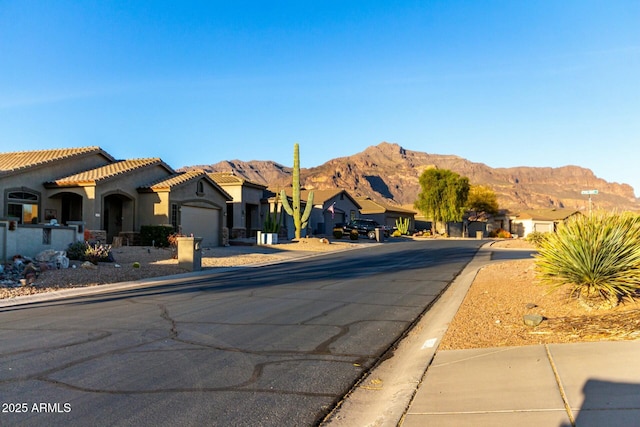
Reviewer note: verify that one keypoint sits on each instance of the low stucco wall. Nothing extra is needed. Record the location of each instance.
(29, 240)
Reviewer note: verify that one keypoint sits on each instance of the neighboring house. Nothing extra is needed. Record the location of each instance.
(244, 217)
(540, 220)
(191, 202)
(87, 186)
(385, 214)
(330, 207)
(485, 223)
(23, 174)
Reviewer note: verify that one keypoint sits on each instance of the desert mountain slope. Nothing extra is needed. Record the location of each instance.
(387, 172)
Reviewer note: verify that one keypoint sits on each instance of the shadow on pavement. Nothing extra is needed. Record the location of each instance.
(609, 403)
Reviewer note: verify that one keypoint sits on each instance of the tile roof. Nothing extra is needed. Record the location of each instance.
(370, 207)
(321, 196)
(174, 180)
(20, 160)
(546, 214)
(182, 178)
(93, 176)
(226, 178)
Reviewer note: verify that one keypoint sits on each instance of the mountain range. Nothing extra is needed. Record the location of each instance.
(390, 174)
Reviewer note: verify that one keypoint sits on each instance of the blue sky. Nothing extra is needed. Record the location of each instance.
(505, 83)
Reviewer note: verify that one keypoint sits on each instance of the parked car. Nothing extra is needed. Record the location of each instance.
(365, 227)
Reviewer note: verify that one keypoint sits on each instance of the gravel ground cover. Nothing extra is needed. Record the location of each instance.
(493, 310)
(157, 262)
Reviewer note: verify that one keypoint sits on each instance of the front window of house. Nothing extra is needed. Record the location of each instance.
(174, 216)
(23, 205)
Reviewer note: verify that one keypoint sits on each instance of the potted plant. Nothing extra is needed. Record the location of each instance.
(270, 228)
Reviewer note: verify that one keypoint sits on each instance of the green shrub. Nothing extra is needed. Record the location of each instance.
(76, 251)
(536, 237)
(337, 233)
(597, 255)
(353, 235)
(94, 253)
(156, 235)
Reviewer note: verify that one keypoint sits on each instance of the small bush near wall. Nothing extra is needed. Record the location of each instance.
(155, 234)
(337, 233)
(84, 251)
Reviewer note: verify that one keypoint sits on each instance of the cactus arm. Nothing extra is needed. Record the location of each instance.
(285, 203)
(307, 210)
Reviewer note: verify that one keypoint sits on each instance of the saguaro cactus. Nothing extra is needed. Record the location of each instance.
(300, 219)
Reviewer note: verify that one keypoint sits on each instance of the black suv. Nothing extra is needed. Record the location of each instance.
(366, 227)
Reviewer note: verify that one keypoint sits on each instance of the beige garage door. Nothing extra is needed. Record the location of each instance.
(201, 222)
(543, 227)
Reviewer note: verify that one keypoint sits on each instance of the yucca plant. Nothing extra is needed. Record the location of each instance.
(597, 255)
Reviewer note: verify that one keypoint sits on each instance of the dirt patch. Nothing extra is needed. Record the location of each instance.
(492, 313)
(512, 244)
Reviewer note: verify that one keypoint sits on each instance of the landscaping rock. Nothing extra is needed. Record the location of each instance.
(532, 319)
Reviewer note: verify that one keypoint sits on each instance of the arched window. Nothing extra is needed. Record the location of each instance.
(23, 204)
(200, 188)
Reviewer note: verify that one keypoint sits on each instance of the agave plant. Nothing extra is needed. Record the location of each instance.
(598, 255)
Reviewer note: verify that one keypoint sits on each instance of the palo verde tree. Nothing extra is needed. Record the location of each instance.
(443, 195)
(300, 219)
(482, 200)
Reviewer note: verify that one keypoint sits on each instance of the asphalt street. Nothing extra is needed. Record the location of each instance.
(272, 345)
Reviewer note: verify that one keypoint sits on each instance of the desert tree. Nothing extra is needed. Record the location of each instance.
(482, 200)
(443, 196)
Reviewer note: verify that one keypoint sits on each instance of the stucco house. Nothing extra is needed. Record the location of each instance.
(541, 220)
(191, 202)
(89, 187)
(330, 207)
(385, 214)
(244, 216)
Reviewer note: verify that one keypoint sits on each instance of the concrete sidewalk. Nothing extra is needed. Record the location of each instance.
(560, 385)
(583, 384)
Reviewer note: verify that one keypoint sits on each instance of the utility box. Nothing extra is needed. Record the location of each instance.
(190, 253)
(479, 234)
(379, 234)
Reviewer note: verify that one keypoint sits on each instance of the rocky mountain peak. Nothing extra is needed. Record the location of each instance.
(389, 173)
